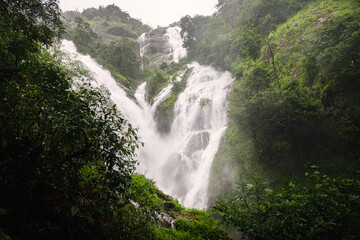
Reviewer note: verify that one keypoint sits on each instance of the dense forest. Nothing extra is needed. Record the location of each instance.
(288, 165)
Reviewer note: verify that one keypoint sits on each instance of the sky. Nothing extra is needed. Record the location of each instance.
(151, 12)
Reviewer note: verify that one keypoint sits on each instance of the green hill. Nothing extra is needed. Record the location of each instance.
(296, 97)
(110, 22)
(109, 35)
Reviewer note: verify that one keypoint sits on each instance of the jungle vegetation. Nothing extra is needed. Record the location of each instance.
(288, 165)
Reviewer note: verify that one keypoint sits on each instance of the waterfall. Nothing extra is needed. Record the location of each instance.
(139, 115)
(180, 162)
(200, 120)
(175, 41)
(143, 43)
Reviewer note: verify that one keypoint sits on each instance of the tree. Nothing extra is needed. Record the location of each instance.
(23, 25)
(66, 152)
(83, 35)
(121, 55)
(324, 208)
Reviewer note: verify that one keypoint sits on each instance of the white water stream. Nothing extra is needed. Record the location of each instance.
(143, 43)
(180, 162)
(175, 41)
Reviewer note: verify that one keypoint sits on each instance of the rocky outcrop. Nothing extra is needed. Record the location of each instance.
(198, 141)
(164, 220)
(164, 118)
(158, 50)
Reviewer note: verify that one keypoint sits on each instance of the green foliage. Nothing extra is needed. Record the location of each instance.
(25, 24)
(324, 208)
(143, 217)
(290, 103)
(229, 10)
(109, 22)
(144, 192)
(247, 44)
(295, 97)
(207, 39)
(196, 225)
(60, 145)
(67, 154)
(293, 101)
(337, 46)
(238, 30)
(155, 83)
(165, 110)
(110, 36)
(120, 56)
(204, 102)
(284, 125)
(83, 35)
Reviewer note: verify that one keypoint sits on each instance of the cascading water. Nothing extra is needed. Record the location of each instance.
(143, 43)
(180, 162)
(175, 41)
(200, 119)
(139, 116)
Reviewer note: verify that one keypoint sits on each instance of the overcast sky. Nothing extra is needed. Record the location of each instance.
(151, 12)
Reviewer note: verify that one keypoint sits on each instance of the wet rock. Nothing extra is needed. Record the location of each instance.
(135, 204)
(164, 220)
(321, 21)
(198, 141)
(164, 119)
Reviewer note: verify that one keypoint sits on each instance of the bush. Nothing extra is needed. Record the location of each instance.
(324, 208)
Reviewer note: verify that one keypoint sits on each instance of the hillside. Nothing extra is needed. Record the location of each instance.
(112, 37)
(296, 100)
(110, 23)
(287, 166)
(109, 35)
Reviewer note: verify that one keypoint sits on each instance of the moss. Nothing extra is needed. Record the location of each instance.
(292, 40)
(144, 192)
(165, 110)
(201, 228)
(189, 223)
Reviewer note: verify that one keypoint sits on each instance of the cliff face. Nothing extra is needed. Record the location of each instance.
(156, 48)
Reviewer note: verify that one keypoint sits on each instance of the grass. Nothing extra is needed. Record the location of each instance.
(292, 40)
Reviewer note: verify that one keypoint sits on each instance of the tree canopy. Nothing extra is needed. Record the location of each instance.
(25, 24)
(67, 153)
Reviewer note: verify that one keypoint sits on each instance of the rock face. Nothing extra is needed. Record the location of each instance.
(158, 48)
(164, 220)
(164, 119)
(197, 142)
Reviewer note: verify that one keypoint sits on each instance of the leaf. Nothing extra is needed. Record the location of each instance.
(74, 210)
(249, 186)
(3, 235)
(268, 190)
(4, 211)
